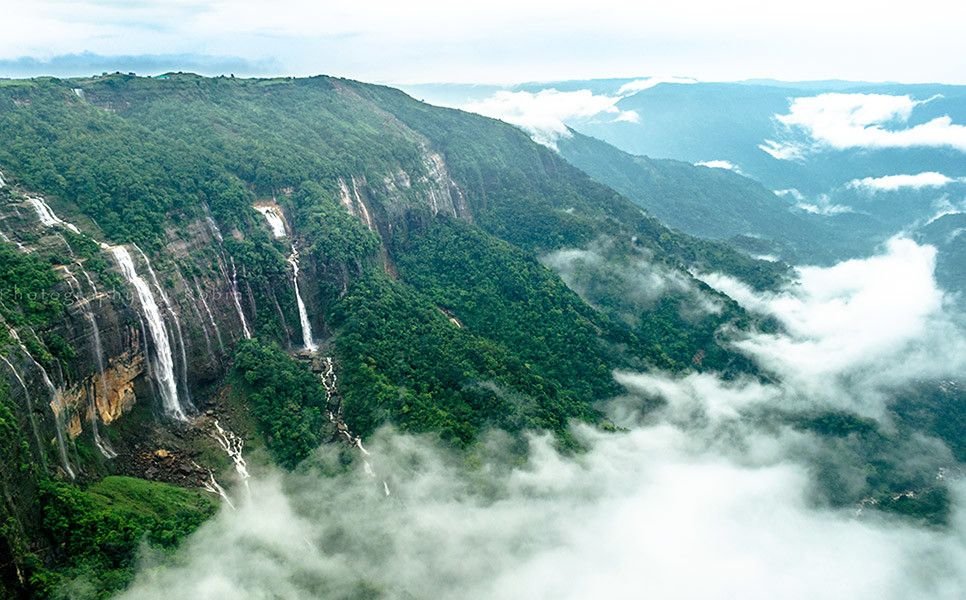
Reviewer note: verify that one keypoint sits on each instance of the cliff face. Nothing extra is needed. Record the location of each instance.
(151, 226)
(206, 303)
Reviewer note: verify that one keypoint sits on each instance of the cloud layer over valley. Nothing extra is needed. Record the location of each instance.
(893, 183)
(840, 121)
(544, 114)
(700, 495)
(856, 330)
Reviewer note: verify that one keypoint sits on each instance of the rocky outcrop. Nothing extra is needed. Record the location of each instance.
(111, 394)
(207, 302)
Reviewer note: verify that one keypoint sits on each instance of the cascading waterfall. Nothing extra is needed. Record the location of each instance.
(56, 406)
(193, 302)
(60, 426)
(211, 316)
(2, 182)
(275, 220)
(47, 216)
(232, 445)
(90, 282)
(164, 359)
(101, 444)
(214, 487)
(362, 206)
(334, 412)
(98, 351)
(211, 222)
(164, 367)
(179, 337)
(307, 339)
(276, 223)
(30, 410)
(236, 296)
(281, 317)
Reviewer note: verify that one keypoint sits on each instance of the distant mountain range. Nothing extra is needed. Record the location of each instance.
(838, 167)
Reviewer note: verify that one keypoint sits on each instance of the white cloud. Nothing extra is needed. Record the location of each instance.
(544, 114)
(719, 164)
(632, 285)
(691, 500)
(782, 151)
(792, 192)
(892, 183)
(645, 510)
(646, 83)
(502, 40)
(843, 121)
(944, 206)
(867, 325)
(823, 205)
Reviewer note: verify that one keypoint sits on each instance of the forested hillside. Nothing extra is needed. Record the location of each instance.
(409, 272)
(708, 202)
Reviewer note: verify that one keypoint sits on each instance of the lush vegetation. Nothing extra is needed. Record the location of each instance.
(30, 302)
(501, 293)
(98, 531)
(707, 202)
(438, 325)
(287, 400)
(528, 195)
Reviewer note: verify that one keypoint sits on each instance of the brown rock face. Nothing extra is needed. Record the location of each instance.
(113, 394)
(119, 378)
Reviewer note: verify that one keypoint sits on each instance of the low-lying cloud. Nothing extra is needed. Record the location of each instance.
(719, 164)
(629, 287)
(646, 83)
(874, 121)
(694, 498)
(893, 183)
(544, 114)
(880, 321)
(646, 512)
(822, 205)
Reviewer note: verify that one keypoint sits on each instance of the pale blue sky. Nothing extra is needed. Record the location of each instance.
(494, 41)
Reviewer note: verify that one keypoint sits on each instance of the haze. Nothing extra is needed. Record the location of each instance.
(497, 41)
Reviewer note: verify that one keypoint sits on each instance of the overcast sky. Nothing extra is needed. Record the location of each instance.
(497, 41)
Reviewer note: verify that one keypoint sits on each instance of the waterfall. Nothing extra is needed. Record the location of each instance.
(47, 216)
(30, 411)
(90, 282)
(211, 223)
(179, 337)
(334, 413)
(56, 402)
(275, 220)
(214, 487)
(2, 182)
(201, 320)
(307, 339)
(276, 223)
(164, 360)
(236, 296)
(102, 445)
(232, 445)
(362, 207)
(211, 316)
(98, 352)
(60, 426)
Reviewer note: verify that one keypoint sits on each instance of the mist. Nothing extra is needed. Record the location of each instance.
(699, 493)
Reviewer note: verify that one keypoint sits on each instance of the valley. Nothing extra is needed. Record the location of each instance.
(290, 298)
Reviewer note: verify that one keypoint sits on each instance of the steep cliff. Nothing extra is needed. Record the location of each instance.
(151, 225)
